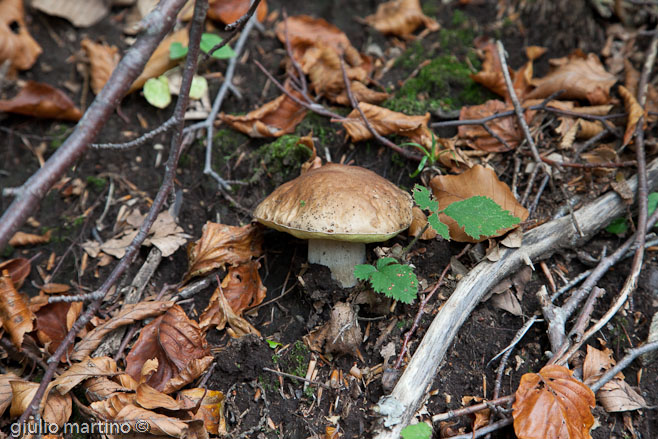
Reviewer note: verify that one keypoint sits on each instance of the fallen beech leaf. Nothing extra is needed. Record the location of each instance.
(477, 181)
(41, 100)
(193, 370)
(16, 44)
(18, 269)
(361, 94)
(160, 61)
(110, 407)
(491, 75)
(100, 388)
(53, 323)
(150, 399)
(534, 52)
(507, 128)
(580, 76)
(129, 314)
(54, 408)
(341, 334)
(401, 18)
(5, 390)
(103, 59)
(79, 13)
(631, 79)
(229, 11)
(211, 410)
(242, 287)
(15, 316)
(602, 154)
(174, 340)
(553, 404)
(322, 64)
(219, 313)
(386, 122)
(87, 368)
(635, 112)
(418, 222)
(157, 424)
(21, 239)
(220, 245)
(273, 119)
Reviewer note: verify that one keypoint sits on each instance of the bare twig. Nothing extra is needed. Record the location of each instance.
(472, 408)
(295, 377)
(141, 140)
(631, 355)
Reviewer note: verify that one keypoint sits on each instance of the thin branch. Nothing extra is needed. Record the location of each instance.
(166, 126)
(631, 355)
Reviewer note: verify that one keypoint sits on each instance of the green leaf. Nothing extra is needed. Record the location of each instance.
(417, 431)
(177, 50)
(273, 344)
(156, 92)
(652, 202)
(618, 226)
(199, 87)
(423, 198)
(480, 216)
(420, 167)
(438, 226)
(390, 278)
(208, 41)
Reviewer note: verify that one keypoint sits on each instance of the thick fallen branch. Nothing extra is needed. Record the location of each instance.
(398, 408)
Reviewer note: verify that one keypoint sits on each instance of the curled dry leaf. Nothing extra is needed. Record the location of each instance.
(16, 43)
(41, 100)
(229, 11)
(418, 223)
(634, 110)
(401, 18)
(79, 372)
(491, 75)
(151, 399)
(100, 388)
(193, 370)
(80, 14)
(242, 289)
(21, 239)
(580, 76)
(18, 269)
(211, 409)
(273, 119)
(54, 408)
(341, 334)
(361, 94)
(158, 424)
(53, 323)
(507, 128)
(5, 390)
(15, 315)
(322, 64)
(553, 404)
(174, 340)
(219, 313)
(222, 245)
(103, 58)
(129, 314)
(477, 181)
(631, 79)
(386, 122)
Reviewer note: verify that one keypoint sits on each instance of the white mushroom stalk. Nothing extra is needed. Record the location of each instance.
(340, 256)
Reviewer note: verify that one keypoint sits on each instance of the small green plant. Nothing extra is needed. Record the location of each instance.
(417, 431)
(619, 226)
(273, 344)
(390, 278)
(208, 41)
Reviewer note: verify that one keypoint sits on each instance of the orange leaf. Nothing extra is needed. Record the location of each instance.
(228, 11)
(18, 269)
(16, 44)
(103, 59)
(553, 404)
(361, 94)
(21, 239)
(491, 75)
(41, 100)
(401, 18)
(220, 245)
(322, 64)
(211, 410)
(634, 110)
(15, 315)
(418, 222)
(219, 313)
(477, 181)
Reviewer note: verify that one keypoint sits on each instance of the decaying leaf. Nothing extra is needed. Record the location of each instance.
(362, 94)
(174, 340)
(193, 370)
(108, 408)
(15, 316)
(211, 410)
(55, 408)
(222, 245)
(100, 388)
(86, 369)
(272, 119)
(229, 11)
(477, 181)
(401, 18)
(616, 395)
(386, 122)
(41, 100)
(580, 76)
(103, 58)
(21, 239)
(16, 43)
(242, 289)
(5, 390)
(158, 424)
(491, 75)
(418, 223)
(18, 269)
(79, 13)
(151, 399)
(219, 313)
(53, 322)
(129, 314)
(634, 110)
(553, 404)
(341, 334)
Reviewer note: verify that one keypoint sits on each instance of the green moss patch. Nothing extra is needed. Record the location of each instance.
(281, 160)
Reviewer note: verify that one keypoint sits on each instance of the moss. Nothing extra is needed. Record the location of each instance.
(413, 56)
(459, 18)
(323, 130)
(59, 133)
(431, 8)
(96, 182)
(228, 142)
(294, 360)
(280, 159)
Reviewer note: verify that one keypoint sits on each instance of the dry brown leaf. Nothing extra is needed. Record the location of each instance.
(21, 239)
(78, 372)
(16, 43)
(362, 94)
(581, 76)
(418, 223)
(6, 393)
(108, 408)
(222, 245)
(100, 388)
(103, 58)
(507, 128)
(53, 323)
(272, 119)
(160, 61)
(341, 334)
(631, 79)
(129, 314)
(242, 286)
(158, 424)
(15, 315)
(193, 370)
(477, 181)
(150, 399)
(54, 408)
(228, 11)
(534, 52)
(401, 18)
(80, 13)
(386, 122)
(634, 110)
(553, 404)
(219, 313)
(211, 410)
(41, 100)
(322, 64)
(602, 154)
(18, 269)
(174, 340)
(491, 75)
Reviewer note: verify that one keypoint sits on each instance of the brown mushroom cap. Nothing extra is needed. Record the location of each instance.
(339, 202)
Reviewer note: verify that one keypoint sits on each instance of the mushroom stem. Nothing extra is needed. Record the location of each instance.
(340, 256)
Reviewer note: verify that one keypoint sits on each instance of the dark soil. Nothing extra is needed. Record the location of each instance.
(287, 408)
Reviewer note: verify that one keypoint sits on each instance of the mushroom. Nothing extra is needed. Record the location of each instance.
(338, 208)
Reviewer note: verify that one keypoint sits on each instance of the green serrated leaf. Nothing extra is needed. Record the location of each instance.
(177, 50)
(417, 431)
(438, 226)
(423, 198)
(156, 92)
(199, 87)
(363, 271)
(618, 226)
(208, 41)
(480, 216)
(391, 279)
